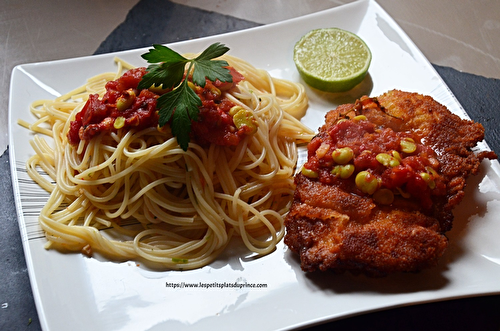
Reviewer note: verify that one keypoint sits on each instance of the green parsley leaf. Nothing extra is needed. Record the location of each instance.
(182, 98)
(163, 54)
(211, 69)
(181, 104)
(162, 75)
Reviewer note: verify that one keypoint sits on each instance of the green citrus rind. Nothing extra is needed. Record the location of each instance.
(332, 59)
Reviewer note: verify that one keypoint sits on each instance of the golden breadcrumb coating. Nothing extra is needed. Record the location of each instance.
(337, 224)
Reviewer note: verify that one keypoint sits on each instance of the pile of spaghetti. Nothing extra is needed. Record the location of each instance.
(131, 193)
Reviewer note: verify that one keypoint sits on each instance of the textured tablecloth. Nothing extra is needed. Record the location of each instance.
(479, 96)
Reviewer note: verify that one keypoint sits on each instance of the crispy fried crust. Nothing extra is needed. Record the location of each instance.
(331, 227)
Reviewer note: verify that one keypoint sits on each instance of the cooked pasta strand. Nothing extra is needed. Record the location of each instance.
(138, 195)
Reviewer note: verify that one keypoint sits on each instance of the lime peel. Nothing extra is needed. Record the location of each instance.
(332, 59)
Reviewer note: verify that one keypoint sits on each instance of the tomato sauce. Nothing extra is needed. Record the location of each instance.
(124, 106)
(399, 163)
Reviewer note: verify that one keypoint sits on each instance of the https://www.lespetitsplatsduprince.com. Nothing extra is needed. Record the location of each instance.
(215, 285)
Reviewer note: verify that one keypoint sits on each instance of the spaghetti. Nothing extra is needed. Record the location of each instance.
(135, 194)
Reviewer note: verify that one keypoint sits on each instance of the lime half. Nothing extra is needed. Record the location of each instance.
(332, 59)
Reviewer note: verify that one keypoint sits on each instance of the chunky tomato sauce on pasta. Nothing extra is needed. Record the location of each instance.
(124, 106)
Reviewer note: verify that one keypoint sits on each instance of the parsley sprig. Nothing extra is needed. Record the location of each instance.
(181, 104)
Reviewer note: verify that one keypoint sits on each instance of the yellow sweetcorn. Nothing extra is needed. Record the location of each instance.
(244, 117)
(309, 173)
(125, 100)
(366, 182)
(408, 145)
(344, 171)
(119, 122)
(428, 179)
(342, 155)
(387, 160)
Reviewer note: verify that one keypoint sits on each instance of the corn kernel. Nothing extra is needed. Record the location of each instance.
(408, 145)
(366, 182)
(309, 173)
(342, 155)
(428, 179)
(119, 122)
(387, 160)
(244, 117)
(344, 171)
(125, 100)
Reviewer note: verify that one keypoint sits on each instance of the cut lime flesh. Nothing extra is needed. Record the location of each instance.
(332, 59)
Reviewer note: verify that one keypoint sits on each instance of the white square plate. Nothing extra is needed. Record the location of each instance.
(79, 293)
